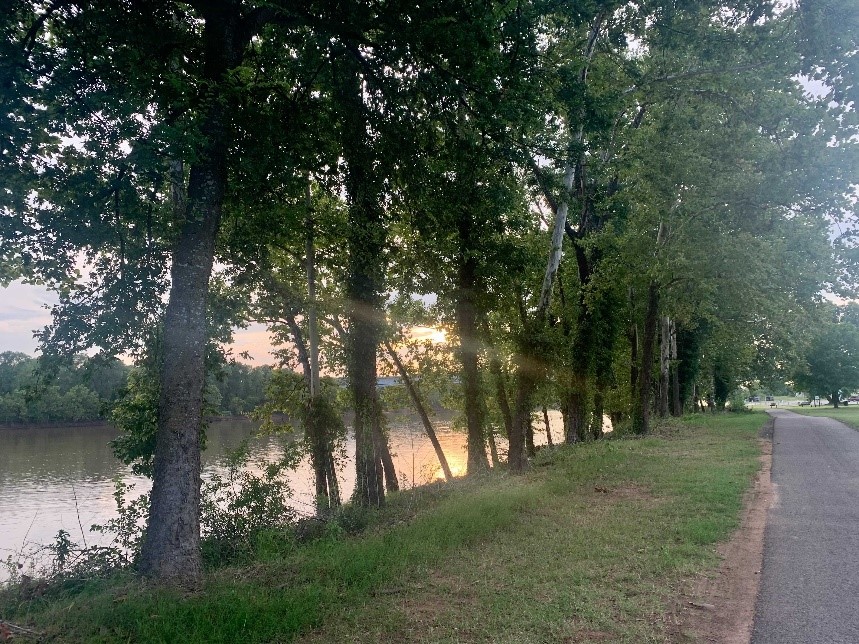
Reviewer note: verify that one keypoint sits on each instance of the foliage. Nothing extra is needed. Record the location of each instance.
(242, 388)
(78, 390)
(127, 526)
(239, 507)
(135, 415)
(737, 402)
(832, 359)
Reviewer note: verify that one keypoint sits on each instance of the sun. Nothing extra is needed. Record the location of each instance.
(431, 333)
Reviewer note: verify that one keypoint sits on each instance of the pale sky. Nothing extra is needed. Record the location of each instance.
(23, 311)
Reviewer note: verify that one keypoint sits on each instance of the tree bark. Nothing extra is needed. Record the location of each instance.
(171, 545)
(575, 419)
(469, 346)
(548, 427)
(321, 440)
(664, 364)
(676, 403)
(364, 281)
(501, 391)
(525, 387)
(596, 417)
(641, 416)
(419, 406)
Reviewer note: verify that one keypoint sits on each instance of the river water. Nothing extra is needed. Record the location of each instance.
(63, 477)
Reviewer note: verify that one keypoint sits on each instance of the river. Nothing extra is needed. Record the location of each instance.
(62, 478)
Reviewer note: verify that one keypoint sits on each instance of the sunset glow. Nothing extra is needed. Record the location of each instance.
(433, 334)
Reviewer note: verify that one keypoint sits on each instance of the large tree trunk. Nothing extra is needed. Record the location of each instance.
(422, 412)
(641, 413)
(469, 347)
(364, 281)
(171, 543)
(321, 439)
(575, 418)
(526, 384)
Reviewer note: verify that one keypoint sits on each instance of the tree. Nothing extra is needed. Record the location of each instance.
(831, 360)
(162, 81)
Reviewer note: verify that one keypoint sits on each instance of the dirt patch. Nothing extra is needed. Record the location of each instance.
(721, 608)
(628, 493)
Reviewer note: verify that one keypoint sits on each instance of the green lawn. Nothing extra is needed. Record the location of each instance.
(848, 415)
(594, 544)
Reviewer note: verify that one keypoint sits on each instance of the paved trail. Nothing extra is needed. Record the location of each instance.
(810, 579)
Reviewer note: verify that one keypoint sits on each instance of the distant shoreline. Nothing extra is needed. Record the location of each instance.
(102, 424)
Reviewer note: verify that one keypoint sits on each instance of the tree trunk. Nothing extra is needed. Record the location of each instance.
(575, 418)
(171, 545)
(548, 427)
(530, 448)
(493, 447)
(501, 392)
(664, 364)
(641, 415)
(422, 412)
(596, 417)
(633, 356)
(469, 344)
(525, 385)
(392, 483)
(322, 448)
(364, 281)
(676, 403)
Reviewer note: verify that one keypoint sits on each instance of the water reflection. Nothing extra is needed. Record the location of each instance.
(62, 477)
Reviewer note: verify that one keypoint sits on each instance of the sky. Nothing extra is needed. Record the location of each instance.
(23, 310)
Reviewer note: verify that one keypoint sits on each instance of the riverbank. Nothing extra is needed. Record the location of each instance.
(596, 543)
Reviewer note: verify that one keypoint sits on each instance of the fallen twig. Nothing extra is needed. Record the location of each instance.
(8, 630)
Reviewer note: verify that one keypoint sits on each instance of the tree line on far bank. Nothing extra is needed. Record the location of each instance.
(87, 390)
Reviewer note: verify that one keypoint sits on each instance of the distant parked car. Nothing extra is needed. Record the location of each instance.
(804, 403)
(769, 399)
(853, 399)
(755, 399)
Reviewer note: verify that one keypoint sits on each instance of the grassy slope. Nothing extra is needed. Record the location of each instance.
(592, 545)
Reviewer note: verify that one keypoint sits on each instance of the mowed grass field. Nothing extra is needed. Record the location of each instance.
(595, 544)
(848, 415)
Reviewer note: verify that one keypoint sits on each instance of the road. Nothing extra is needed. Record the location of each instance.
(810, 579)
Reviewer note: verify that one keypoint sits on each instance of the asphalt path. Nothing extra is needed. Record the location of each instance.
(810, 579)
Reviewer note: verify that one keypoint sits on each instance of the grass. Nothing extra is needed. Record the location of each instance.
(849, 415)
(593, 544)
